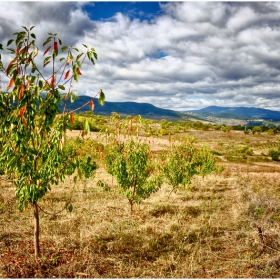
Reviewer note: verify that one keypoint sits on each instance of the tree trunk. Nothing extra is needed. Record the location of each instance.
(36, 230)
(131, 206)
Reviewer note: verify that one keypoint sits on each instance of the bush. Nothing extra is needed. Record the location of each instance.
(274, 154)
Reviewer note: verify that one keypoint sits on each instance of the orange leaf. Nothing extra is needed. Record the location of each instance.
(24, 121)
(10, 84)
(67, 75)
(48, 48)
(79, 72)
(18, 70)
(22, 110)
(52, 81)
(9, 65)
(21, 92)
(91, 105)
(17, 50)
(72, 119)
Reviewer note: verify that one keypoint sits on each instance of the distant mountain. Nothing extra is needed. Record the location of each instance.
(146, 110)
(123, 108)
(237, 113)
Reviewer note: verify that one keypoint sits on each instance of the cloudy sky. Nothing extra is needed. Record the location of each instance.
(174, 55)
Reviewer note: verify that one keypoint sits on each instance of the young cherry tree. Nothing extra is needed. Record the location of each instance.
(183, 161)
(32, 129)
(131, 162)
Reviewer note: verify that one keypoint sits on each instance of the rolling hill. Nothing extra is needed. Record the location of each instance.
(124, 108)
(238, 113)
(146, 110)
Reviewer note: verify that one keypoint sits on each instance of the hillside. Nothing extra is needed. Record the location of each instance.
(215, 114)
(124, 108)
(242, 113)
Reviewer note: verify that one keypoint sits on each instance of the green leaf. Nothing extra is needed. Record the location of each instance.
(35, 52)
(92, 61)
(25, 28)
(89, 55)
(95, 55)
(74, 48)
(47, 60)
(101, 98)
(76, 77)
(33, 35)
(85, 46)
(32, 27)
(45, 64)
(61, 87)
(64, 48)
(60, 42)
(10, 42)
(41, 84)
(1, 47)
(33, 70)
(47, 41)
(63, 58)
(79, 56)
(11, 50)
(86, 126)
(70, 208)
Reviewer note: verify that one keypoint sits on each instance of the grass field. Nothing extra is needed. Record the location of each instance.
(227, 225)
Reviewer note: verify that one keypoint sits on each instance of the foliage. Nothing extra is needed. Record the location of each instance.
(183, 161)
(272, 131)
(131, 165)
(31, 127)
(274, 154)
(257, 129)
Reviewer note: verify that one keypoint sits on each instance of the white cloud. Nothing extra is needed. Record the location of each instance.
(193, 55)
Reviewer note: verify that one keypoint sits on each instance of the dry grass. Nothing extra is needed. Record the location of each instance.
(224, 226)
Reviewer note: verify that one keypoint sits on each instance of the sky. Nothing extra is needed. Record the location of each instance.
(175, 55)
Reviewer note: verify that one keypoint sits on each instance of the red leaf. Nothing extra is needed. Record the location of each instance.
(17, 51)
(67, 75)
(52, 81)
(22, 110)
(48, 48)
(91, 105)
(79, 72)
(55, 46)
(18, 70)
(10, 84)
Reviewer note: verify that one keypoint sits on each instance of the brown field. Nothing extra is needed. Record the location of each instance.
(226, 225)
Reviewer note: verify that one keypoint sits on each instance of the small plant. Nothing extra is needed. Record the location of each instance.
(183, 161)
(130, 163)
(274, 154)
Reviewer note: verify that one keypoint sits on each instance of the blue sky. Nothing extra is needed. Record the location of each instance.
(106, 10)
(174, 55)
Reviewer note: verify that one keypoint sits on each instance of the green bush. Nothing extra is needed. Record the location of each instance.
(274, 154)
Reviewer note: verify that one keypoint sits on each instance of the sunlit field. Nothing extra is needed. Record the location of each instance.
(224, 225)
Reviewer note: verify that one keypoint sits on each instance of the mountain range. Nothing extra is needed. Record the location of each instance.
(147, 110)
(238, 113)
